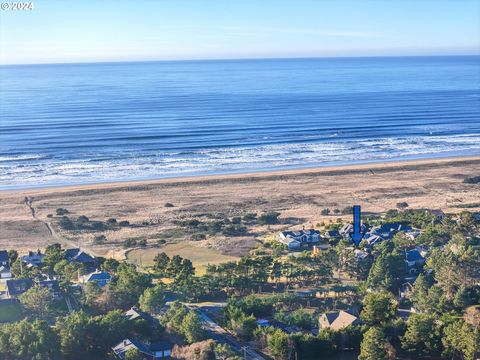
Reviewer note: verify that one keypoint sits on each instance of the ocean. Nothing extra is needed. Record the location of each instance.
(87, 123)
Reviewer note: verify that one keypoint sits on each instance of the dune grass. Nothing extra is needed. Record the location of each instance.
(199, 256)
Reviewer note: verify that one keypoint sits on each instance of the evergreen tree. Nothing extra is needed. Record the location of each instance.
(422, 337)
(160, 264)
(192, 328)
(28, 339)
(375, 346)
(378, 308)
(152, 300)
(37, 301)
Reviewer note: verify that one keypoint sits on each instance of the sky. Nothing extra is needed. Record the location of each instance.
(58, 31)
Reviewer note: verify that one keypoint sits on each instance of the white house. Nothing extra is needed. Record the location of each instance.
(295, 239)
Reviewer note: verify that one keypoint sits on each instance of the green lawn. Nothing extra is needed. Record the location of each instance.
(10, 312)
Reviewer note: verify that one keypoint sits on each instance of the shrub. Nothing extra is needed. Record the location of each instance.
(169, 205)
(83, 219)
(215, 227)
(112, 221)
(236, 220)
(249, 217)
(197, 237)
(402, 205)
(124, 223)
(234, 230)
(99, 239)
(472, 180)
(129, 243)
(142, 242)
(269, 218)
(65, 223)
(347, 210)
(325, 211)
(61, 211)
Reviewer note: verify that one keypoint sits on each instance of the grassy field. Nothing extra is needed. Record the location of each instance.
(10, 312)
(199, 256)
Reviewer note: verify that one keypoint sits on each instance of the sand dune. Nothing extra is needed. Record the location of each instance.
(298, 194)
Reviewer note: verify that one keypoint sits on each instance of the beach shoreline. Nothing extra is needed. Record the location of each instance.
(326, 170)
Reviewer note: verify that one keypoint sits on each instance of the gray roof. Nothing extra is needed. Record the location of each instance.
(337, 320)
(18, 286)
(78, 255)
(134, 313)
(123, 346)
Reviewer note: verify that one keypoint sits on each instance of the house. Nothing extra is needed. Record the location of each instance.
(292, 244)
(17, 287)
(347, 229)
(156, 350)
(295, 239)
(4, 260)
(413, 234)
(333, 235)
(78, 256)
(414, 260)
(33, 259)
(407, 287)
(337, 320)
(388, 230)
(53, 287)
(135, 314)
(101, 278)
(161, 349)
(123, 346)
(373, 239)
(360, 254)
(5, 272)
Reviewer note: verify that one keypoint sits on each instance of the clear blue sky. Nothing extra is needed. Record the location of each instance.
(117, 30)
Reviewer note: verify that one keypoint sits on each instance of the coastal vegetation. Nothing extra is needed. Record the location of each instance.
(273, 299)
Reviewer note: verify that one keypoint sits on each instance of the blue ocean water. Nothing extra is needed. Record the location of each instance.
(82, 123)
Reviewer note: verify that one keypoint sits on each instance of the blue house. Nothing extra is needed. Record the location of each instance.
(388, 230)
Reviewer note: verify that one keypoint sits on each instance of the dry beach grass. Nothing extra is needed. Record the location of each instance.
(299, 195)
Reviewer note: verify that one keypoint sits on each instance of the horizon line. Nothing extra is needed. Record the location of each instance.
(239, 59)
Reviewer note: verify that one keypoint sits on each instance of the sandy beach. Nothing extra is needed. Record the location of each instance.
(28, 217)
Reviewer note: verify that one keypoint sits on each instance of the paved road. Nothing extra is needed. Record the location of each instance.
(220, 335)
